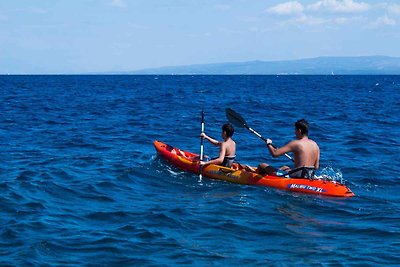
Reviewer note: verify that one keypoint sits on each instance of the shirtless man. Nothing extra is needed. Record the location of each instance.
(227, 147)
(305, 151)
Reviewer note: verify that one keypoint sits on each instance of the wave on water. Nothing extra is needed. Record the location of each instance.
(329, 173)
(81, 184)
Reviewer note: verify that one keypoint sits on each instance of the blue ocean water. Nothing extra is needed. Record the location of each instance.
(81, 184)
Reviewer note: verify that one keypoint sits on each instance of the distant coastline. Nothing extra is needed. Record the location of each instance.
(363, 65)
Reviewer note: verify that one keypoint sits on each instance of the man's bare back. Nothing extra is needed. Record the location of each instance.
(306, 153)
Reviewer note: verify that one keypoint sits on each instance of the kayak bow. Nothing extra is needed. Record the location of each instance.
(240, 174)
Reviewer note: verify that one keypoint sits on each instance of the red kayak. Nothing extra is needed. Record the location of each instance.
(241, 174)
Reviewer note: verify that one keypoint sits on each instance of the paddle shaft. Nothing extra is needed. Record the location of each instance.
(238, 120)
(201, 143)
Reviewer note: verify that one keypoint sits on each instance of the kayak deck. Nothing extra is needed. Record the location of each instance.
(242, 174)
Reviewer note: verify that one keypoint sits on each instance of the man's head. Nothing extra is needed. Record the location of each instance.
(228, 129)
(302, 127)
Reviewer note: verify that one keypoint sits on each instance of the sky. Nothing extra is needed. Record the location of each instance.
(85, 36)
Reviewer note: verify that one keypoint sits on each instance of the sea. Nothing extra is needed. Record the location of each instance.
(81, 183)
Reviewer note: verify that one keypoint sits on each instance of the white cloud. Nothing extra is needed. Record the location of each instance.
(345, 6)
(340, 13)
(394, 8)
(383, 21)
(118, 3)
(286, 8)
(347, 20)
(309, 20)
(341, 20)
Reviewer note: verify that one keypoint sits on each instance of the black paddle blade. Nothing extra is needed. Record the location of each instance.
(235, 118)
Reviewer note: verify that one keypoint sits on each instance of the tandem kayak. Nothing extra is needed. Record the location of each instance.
(241, 174)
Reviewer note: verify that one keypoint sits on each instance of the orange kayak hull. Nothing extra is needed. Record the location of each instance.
(189, 162)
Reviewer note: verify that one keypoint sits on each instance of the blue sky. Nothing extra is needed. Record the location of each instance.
(48, 36)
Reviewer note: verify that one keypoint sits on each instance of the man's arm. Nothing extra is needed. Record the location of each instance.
(277, 152)
(316, 165)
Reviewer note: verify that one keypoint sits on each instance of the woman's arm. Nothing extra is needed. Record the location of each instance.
(211, 140)
(221, 157)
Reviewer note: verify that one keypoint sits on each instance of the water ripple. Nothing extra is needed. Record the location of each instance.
(81, 184)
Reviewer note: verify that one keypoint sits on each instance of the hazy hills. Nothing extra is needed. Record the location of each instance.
(311, 66)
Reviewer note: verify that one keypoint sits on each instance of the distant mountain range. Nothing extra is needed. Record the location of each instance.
(311, 66)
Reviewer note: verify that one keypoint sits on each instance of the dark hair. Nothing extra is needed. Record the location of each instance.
(228, 128)
(302, 125)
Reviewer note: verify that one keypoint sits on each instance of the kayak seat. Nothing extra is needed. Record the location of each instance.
(302, 172)
(179, 152)
(228, 161)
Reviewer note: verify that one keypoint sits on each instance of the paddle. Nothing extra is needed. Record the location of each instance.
(201, 143)
(238, 121)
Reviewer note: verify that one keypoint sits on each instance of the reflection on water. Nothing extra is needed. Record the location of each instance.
(303, 222)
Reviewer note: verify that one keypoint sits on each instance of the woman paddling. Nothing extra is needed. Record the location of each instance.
(227, 150)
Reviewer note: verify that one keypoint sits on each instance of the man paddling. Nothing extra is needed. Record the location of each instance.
(227, 147)
(305, 151)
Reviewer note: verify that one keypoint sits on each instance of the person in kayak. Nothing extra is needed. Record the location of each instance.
(306, 154)
(227, 147)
